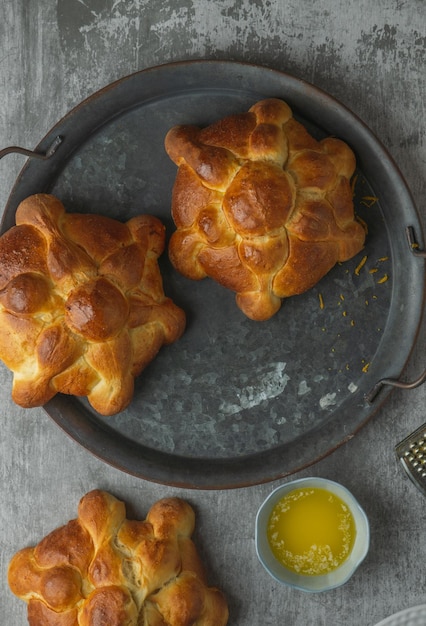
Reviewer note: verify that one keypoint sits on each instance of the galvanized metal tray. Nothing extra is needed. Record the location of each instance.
(236, 402)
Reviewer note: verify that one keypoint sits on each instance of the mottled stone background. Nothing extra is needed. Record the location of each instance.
(371, 56)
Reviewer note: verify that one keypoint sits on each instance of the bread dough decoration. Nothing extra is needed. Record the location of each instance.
(261, 206)
(82, 307)
(102, 569)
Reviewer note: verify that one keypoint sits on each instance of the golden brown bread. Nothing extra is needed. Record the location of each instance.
(261, 206)
(102, 569)
(82, 307)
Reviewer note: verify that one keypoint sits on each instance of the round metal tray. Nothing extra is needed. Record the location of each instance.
(236, 402)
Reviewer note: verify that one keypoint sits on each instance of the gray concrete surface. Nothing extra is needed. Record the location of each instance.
(372, 57)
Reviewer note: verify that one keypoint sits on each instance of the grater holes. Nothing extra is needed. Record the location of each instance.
(416, 457)
(412, 452)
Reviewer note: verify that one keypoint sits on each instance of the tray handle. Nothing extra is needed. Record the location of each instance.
(373, 393)
(393, 382)
(33, 153)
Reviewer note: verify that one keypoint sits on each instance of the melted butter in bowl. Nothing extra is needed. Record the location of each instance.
(311, 531)
(311, 534)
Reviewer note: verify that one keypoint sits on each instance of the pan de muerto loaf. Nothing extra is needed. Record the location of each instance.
(261, 206)
(82, 307)
(104, 570)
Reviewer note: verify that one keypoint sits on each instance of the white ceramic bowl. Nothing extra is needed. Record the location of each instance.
(322, 582)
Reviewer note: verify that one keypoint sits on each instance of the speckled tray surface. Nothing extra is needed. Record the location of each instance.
(236, 402)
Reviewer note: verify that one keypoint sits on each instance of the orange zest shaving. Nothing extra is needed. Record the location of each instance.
(368, 201)
(363, 224)
(360, 265)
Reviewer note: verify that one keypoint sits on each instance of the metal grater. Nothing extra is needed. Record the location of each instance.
(412, 454)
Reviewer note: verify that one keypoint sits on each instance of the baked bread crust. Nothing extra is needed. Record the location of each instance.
(102, 569)
(261, 206)
(82, 307)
